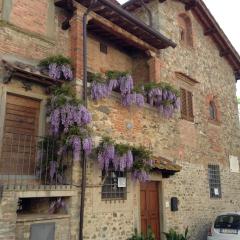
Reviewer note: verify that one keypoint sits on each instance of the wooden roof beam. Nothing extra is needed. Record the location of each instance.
(190, 5)
(121, 33)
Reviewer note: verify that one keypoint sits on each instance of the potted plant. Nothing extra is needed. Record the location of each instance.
(173, 235)
(149, 235)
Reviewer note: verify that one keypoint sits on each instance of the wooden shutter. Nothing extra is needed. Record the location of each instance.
(190, 106)
(183, 97)
(20, 131)
(186, 104)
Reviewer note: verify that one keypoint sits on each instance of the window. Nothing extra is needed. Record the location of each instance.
(214, 181)
(103, 48)
(186, 104)
(185, 26)
(212, 110)
(114, 185)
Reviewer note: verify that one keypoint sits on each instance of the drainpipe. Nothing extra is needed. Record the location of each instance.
(84, 156)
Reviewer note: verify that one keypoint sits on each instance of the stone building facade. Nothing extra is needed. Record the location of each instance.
(31, 30)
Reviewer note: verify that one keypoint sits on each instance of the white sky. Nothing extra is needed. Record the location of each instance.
(227, 14)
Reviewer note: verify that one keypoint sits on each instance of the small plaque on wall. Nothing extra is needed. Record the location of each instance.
(122, 182)
(234, 164)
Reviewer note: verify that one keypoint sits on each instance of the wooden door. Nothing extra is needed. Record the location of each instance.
(150, 208)
(19, 137)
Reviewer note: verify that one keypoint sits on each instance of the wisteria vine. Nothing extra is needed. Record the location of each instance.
(162, 96)
(68, 121)
(159, 95)
(58, 67)
(102, 87)
(123, 157)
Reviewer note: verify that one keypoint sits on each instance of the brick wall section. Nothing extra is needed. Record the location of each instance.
(113, 60)
(22, 41)
(30, 15)
(76, 46)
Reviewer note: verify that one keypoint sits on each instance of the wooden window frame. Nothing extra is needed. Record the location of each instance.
(186, 97)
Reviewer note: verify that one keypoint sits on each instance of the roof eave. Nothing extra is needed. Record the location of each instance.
(135, 21)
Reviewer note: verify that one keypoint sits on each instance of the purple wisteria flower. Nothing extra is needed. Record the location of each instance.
(67, 72)
(126, 84)
(99, 90)
(52, 169)
(75, 142)
(67, 116)
(140, 175)
(106, 156)
(87, 145)
(54, 71)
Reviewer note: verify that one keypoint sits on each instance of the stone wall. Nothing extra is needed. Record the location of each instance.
(62, 225)
(192, 145)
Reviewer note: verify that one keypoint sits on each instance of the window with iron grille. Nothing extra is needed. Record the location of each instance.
(186, 104)
(214, 181)
(111, 188)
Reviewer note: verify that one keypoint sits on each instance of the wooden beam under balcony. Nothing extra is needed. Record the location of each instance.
(102, 24)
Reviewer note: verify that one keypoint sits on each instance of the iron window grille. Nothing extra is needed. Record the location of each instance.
(110, 187)
(214, 181)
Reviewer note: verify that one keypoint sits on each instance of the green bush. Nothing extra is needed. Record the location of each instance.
(173, 235)
(149, 235)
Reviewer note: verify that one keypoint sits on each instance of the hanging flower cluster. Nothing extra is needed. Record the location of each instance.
(124, 158)
(102, 87)
(117, 155)
(58, 67)
(162, 96)
(68, 120)
(142, 164)
(77, 139)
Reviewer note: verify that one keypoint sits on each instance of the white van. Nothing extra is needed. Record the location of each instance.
(225, 227)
